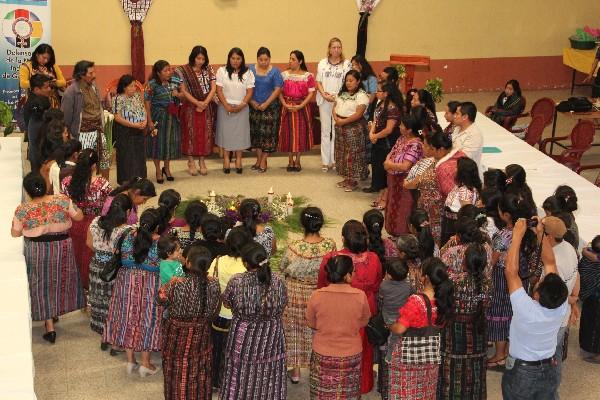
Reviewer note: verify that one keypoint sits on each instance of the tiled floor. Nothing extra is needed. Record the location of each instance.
(75, 368)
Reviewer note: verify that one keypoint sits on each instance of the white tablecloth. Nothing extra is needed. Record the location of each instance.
(543, 173)
(16, 359)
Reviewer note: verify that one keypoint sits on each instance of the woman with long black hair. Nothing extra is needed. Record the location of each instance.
(168, 201)
(190, 232)
(139, 191)
(88, 191)
(250, 213)
(509, 103)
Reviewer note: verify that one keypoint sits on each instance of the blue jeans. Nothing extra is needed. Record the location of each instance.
(529, 382)
(559, 354)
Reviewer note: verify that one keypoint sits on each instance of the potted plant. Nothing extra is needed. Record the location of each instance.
(434, 86)
(6, 117)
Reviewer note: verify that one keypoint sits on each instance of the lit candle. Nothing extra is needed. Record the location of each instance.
(212, 196)
(270, 194)
(290, 204)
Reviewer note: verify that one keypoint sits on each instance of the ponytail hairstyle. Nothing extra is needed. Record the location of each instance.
(420, 114)
(494, 182)
(250, 213)
(517, 207)
(34, 184)
(475, 263)
(409, 245)
(419, 220)
(553, 206)
(438, 140)
(116, 215)
(568, 196)
(392, 76)
(312, 220)
(149, 221)
(373, 221)
(516, 184)
(237, 238)
(468, 231)
(211, 227)
(394, 95)
(69, 148)
(144, 186)
(167, 203)
(338, 267)
(199, 259)
(435, 270)
(426, 99)
(300, 57)
(355, 236)
(255, 258)
(475, 213)
(82, 175)
(193, 214)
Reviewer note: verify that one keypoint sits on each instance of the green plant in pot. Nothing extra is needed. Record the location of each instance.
(6, 116)
(435, 87)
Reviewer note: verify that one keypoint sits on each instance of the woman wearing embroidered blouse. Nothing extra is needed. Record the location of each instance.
(295, 132)
(330, 78)
(43, 62)
(235, 85)
(162, 108)
(351, 129)
(44, 221)
(128, 130)
(264, 108)
(198, 112)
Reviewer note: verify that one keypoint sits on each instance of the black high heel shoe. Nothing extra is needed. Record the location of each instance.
(164, 173)
(49, 337)
(104, 346)
(238, 170)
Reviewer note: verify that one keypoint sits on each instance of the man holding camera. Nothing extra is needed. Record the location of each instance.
(531, 368)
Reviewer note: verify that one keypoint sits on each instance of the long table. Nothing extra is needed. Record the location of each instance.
(543, 173)
(16, 358)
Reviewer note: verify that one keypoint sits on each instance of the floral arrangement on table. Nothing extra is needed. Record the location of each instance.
(435, 87)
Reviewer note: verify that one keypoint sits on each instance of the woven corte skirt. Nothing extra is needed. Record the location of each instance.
(298, 336)
(333, 378)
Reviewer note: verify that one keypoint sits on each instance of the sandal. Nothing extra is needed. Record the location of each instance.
(192, 170)
(350, 187)
(341, 184)
(324, 168)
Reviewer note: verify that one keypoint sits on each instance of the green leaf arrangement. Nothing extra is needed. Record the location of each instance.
(6, 116)
(435, 87)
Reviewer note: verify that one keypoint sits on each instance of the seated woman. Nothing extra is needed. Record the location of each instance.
(510, 102)
(422, 97)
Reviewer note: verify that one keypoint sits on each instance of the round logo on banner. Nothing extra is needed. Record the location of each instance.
(22, 28)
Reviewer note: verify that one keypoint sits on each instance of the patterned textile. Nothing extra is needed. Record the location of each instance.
(500, 313)
(302, 259)
(131, 108)
(413, 382)
(589, 272)
(414, 275)
(166, 145)
(266, 239)
(298, 336)
(193, 302)
(295, 129)
(445, 173)
(464, 342)
(460, 194)
(36, 219)
(54, 285)
(333, 378)
(94, 197)
(264, 127)
(134, 318)
(89, 140)
(184, 236)
(197, 128)
(431, 200)
(350, 142)
(405, 150)
(420, 167)
(255, 366)
(399, 206)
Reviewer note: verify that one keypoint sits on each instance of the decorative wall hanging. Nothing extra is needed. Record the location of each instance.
(136, 10)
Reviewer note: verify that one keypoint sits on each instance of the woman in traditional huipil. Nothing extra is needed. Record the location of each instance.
(88, 191)
(44, 221)
(300, 266)
(264, 108)
(162, 109)
(198, 111)
(193, 301)
(255, 357)
(134, 318)
(102, 237)
(295, 131)
(128, 130)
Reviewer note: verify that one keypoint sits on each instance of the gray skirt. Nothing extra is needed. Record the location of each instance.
(233, 130)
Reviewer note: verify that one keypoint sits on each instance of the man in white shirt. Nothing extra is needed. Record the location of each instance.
(467, 137)
(531, 371)
(566, 264)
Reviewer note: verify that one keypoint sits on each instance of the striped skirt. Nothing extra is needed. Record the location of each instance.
(349, 150)
(499, 313)
(197, 129)
(264, 127)
(166, 145)
(295, 131)
(83, 254)
(134, 319)
(54, 284)
(100, 291)
(187, 359)
(255, 365)
(463, 369)
(298, 336)
(333, 378)
(413, 381)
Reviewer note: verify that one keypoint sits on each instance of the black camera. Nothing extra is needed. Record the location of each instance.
(532, 223)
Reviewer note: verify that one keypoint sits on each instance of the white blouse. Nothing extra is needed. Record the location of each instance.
(234, 90)
(346, 104)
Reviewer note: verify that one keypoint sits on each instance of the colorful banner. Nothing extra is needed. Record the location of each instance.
(25, 25)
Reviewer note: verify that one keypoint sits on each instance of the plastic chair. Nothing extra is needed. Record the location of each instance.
(582, 136)
(543, 107)
(533, 132)
(509, 121)
(591, 166)
(111, 91)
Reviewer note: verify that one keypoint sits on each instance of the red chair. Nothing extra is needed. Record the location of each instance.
(111, 91)
(533, 132)
(543, 107)
(509, 121)
(591, 166)
(582, 136)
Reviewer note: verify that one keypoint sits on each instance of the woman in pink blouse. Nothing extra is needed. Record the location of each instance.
(406, 152)
(295, 131)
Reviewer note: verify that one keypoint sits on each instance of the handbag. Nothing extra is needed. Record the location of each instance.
(109, 272)
(421, 345)
(376, 330)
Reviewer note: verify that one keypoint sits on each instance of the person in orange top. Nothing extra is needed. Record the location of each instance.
(337, 313)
